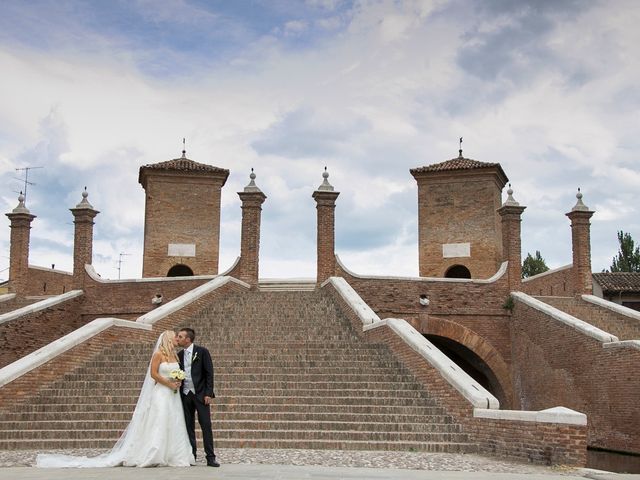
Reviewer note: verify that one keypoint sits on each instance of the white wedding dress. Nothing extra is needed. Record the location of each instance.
(156, 435)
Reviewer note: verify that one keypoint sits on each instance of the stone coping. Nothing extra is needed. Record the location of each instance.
(41, 305)
(61, 345)
(548, 272)
(94, 276)
(185, 299)
(349, 295)
(501, 271)
(53, 270)
(614, 307)
(475, 393)
(550, 415)
(565, 318)
(623, 344)
(5, 297)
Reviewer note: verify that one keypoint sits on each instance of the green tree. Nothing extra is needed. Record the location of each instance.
(533, 265)
(628, 258)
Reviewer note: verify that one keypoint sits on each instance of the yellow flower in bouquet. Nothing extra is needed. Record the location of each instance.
(177, 374)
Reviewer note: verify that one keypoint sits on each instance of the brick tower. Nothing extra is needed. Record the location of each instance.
(21, 219)
(182, 217)
(459, 229)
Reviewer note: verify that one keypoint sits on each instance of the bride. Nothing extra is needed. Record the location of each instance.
(156, 435)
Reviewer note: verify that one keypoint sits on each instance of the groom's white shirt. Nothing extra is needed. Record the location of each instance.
(187, 384)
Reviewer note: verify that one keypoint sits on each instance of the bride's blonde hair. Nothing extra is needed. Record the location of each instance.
(166, 347)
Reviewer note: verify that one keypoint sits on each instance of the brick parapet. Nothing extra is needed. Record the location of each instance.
(44, 281)
(557, 282)
(30, 332)
(555, 364)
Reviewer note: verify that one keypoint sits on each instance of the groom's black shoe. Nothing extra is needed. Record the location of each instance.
(212, 463)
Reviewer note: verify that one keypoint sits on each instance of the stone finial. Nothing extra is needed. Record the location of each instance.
(252, 187)
(21, 208)
(579, 206)
(326, 186)
(84, 203)
(510, 201)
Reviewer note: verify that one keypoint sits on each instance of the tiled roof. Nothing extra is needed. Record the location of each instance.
(181, 165)
(618, 281)
(459, 163)
(186, 165)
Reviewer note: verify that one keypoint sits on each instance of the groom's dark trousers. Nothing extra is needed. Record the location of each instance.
(202, 376)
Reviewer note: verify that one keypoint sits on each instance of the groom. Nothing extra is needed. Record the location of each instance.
(197, 391)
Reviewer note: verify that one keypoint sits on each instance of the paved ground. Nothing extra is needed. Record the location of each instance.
(248, 464)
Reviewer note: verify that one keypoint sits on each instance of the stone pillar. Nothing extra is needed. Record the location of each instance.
(21, 219)
(581, 245)
(252, 199)
(511, 213)
(325, 199)
(83, 214)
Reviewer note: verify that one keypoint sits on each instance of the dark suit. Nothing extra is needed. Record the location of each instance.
(202, 376)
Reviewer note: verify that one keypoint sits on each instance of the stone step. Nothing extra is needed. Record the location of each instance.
(237, 372)
(311, 433)
(360, 391)
(292, 386)
(234, 406)
(434, 447)
(8, 429)
(45, 420)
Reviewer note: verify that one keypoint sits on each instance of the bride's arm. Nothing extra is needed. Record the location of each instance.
(156, 360)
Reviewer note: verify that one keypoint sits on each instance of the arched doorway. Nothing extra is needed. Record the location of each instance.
(458, 271)
(180, 270)
(472, 364)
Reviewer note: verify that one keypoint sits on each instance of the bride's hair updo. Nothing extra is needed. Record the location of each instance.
(166, 344)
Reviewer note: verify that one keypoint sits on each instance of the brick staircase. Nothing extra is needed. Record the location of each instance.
(625, 328)
(290, 373)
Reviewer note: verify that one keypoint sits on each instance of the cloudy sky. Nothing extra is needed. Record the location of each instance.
(90, 91)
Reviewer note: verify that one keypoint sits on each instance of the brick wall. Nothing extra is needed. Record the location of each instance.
(181, 209)
(622, 326)
(555, 364)
(43, 281)
(558, 282)
(540, 443)
(28, 333)
(25, 386)
(459, 207)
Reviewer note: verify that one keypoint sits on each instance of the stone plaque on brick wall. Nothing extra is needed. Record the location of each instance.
(182, 250)
(452, 250)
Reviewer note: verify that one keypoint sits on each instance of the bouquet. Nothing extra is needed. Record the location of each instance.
(177, 374)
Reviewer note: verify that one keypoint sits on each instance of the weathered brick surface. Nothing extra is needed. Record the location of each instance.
(326, 259)
(529, 441)
(554, 364)
(43, 281)
(249, 265)
(459, 207)
(31, 332)
(581, 248)
(622, 326)
(19, 251)
(558, 283)
(173, 201)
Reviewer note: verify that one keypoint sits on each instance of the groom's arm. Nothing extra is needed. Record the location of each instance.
(207, 366)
